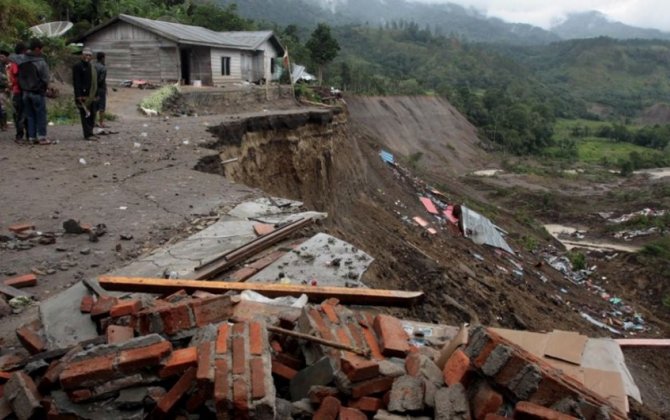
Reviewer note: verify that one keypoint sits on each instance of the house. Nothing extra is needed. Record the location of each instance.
(161, 52)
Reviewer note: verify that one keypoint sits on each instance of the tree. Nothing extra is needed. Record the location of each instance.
(323, 47)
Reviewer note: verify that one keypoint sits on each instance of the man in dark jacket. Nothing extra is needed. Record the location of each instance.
(20, 122)
(85, 82)
(102, 87)
(34, 81)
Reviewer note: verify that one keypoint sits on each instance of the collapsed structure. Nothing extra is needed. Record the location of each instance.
(197, 346)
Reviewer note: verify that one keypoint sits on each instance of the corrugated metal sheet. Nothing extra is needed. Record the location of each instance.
(481, 230)
(387, 157)
(187, 34)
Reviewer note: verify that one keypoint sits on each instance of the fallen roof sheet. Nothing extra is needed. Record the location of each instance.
(481, 230)
(428, 204)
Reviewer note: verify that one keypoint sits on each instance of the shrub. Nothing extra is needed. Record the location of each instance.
(157, 100)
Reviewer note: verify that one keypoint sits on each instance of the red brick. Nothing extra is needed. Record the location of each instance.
(125, 307)
(50, 378)
(329, 409)
(495, 417)
(289, 360)
(413, 364)
(240, 399)
(205, 373)
(239, 356)
(31, 340)
(80, 395)
(347, 413)
(174, 394)
(241, 274)
(177, 296)
(102, 306)
(358, 368)
(317, 393)
(525, 410)
(372, 386)
(26, 280)
(456, 369)
(255, 338)
(263, 229)
(119, 334)
(367, 404)
(94, 370)
(179, 361)
(4, 376)
(357, 334)
(221, 386)
(276, 346)
(281, 370)
(485, 401)
(199, 397)
(222, 339)
(371, 340)
(329, 310)
(393, 338)
(257, 379)
(176, 318)
(211, 310)
(239, 328)
(135, 359)
(21, 227)
(86, 304)
(321, 326)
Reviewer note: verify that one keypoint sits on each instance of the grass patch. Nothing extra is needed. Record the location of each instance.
(595, 150)
(659, 249)
(157, 100)
(62, 111)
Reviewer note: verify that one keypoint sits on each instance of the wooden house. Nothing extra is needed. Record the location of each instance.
(162, 52)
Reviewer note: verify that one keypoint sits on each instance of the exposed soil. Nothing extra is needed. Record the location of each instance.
(330, 160)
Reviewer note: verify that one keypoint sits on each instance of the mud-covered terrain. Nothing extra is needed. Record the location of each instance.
(160, 178)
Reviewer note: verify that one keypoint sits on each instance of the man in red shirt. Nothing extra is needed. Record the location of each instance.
(15, 90)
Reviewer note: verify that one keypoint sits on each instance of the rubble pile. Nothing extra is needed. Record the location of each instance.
(214, 356)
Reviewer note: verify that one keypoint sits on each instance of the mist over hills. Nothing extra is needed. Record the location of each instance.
(449, 19)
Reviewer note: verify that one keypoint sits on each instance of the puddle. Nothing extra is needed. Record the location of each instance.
(656, 173)
(559, 230)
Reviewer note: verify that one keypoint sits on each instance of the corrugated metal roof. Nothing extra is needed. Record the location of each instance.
(481, 230)
(188, 34)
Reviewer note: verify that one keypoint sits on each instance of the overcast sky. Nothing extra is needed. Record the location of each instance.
(644, 13)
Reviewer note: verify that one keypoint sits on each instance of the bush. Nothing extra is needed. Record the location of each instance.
(577, 259)
(157, 100)
(62, 111)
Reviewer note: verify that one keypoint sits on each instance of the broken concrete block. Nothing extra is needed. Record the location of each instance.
(21, 393)
(419, 365)
(392, 368)
(452, 404)
(407, 394)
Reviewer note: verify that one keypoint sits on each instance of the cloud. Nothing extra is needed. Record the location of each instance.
(644, 13)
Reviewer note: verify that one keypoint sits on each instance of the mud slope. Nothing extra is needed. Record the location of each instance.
(429, 125)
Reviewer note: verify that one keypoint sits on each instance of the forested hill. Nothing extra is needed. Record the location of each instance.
(594, 24)
(446, 19)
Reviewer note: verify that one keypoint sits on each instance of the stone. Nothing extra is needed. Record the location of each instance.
(406, 394)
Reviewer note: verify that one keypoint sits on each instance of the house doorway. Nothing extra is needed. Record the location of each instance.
(185, 59)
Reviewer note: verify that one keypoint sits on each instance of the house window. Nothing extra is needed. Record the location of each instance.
(225, 66)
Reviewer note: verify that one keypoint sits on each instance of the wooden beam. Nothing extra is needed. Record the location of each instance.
(237, 255)
(643, 342)
(346, 295)
(318, 340)
(12, 292)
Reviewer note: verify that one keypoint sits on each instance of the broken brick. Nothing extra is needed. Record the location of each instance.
(87, 372)
(21, 227)
(102, 307)
(456, 369)
(21, 394)
(222, 339)
(329, 409)
(240, 401)
(176, 318)
(86, 304)
(348, 413)
(125, 307)
(30, 339)
(367, 404)
(26, 280)
(205, 372)
(221, 386)
(211, 310)
(174, 394)
(255, 338)
(317, 393)
(239, 358)
(484, 401)
(263, 229)
(393, 338)
(358, 368)
(135, 359)
(179, 361)
(117, 334)
(257, 378)
(281, 370)
(372, 386)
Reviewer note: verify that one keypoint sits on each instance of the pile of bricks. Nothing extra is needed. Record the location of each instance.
(189, 355)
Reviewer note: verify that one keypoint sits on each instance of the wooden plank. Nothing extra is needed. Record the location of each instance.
(643, 342)
(231, 258)
(345, 295)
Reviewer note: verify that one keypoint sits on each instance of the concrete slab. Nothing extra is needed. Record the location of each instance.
(64, 324)
(324, 258)
(264, 207)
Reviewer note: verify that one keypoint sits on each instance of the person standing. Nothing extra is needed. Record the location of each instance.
(4, 86)
(34, 82)
(102, 87)
(85, 82)
(20, 123)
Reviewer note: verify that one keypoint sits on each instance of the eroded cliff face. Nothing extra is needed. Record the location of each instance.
(288, 155)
